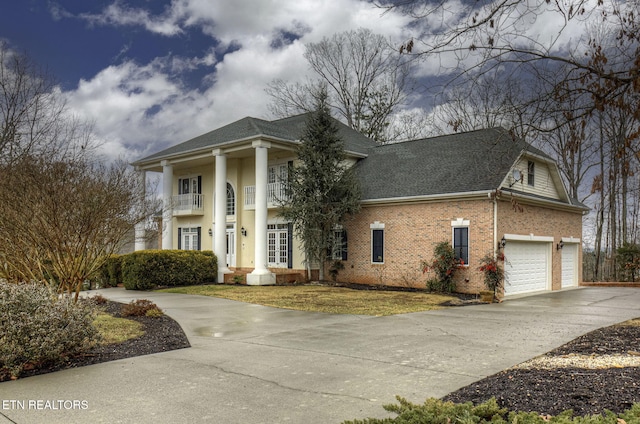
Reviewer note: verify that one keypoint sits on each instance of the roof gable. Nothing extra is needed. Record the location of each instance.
(287, 130)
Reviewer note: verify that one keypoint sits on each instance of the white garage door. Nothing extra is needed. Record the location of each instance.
(526, 267)
(569, 265)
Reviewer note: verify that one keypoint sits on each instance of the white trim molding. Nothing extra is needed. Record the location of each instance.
(530, 237)
(570, 240)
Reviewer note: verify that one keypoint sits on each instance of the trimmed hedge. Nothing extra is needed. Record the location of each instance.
(111, 271)
(436, 411)
(147, 269)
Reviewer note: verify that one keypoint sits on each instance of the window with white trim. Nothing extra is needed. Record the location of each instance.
(189, 238)
(460, 239)
(531, 173)
(231, 200)
(377, 243)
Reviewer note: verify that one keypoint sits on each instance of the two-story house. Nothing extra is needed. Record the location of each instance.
(482, 190)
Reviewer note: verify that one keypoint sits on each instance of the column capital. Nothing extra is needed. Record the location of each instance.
(165, 163)
(218, 152)
(261, 143)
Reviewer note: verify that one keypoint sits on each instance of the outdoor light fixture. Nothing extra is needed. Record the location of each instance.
(243, 231)
(560, 245)
(210, 233)
(503, 242)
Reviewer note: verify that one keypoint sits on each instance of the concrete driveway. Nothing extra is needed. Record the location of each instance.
(254, 364)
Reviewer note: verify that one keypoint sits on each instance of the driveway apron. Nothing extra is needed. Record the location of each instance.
(255, 364)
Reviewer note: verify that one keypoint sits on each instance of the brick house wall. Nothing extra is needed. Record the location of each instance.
(411, 232)
(542, 221)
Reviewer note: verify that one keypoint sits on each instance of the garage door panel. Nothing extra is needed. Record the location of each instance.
(569, 265)
(526, 267)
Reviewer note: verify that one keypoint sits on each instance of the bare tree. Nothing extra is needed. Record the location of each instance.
(485, 35)
(62, 211)
(60, 220)
(365, 76)
(31, 113)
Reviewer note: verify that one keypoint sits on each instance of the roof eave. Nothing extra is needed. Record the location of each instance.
(429, 198)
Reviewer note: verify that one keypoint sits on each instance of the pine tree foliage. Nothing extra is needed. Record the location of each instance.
(322, 187)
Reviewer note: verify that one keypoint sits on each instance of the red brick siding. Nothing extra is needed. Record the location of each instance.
(410, 235)
(412, 231)
(541, 221)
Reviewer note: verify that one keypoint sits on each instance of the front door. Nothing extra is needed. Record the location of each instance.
(231, 245)
(278, 245)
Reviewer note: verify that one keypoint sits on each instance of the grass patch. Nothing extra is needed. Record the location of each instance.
(333, 300)
(116, 330)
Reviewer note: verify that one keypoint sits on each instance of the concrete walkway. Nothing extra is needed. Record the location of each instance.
(254, 364)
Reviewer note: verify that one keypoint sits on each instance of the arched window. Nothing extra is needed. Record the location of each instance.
(231, 200)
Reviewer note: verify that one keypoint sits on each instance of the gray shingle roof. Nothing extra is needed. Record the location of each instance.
(456, 163)
(287, 129)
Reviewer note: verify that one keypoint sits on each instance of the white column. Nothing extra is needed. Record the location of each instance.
(260, 274)
(167, 208)
(140, 233)
(220, 214)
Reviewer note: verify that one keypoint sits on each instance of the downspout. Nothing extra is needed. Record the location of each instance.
(495, 226)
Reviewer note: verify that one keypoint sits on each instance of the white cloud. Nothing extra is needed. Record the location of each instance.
(141, 108)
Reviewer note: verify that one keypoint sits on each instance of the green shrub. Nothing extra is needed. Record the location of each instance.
(146, 269)
(435, 411)
(444, 264)
(39, 328)
(140, 308)
(110, 273)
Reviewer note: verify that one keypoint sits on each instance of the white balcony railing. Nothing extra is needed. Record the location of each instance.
(188, 204)
(275, 195)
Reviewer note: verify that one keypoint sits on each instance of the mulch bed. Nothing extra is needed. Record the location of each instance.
(161, 334)
(551, 391)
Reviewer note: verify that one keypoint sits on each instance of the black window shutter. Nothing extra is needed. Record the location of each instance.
(199, 233)
(344, 245)
(199, 184)
(179, 185)
(290, 245)
(179, 238)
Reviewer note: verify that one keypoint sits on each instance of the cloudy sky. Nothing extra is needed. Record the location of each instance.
(154, 73)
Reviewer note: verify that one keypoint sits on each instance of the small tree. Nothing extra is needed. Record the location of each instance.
(444, 264)
(322, 188)
(629, 261)
(493, 271)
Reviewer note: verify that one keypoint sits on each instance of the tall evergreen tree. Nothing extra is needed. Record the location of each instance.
(322, 188)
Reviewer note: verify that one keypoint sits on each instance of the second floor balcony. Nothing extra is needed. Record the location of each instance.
(188, 204)
(275, 195)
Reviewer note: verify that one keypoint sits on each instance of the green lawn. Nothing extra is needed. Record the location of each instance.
(334, 300)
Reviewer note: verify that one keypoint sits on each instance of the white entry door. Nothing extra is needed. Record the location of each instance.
(231, 245)
(278, 245)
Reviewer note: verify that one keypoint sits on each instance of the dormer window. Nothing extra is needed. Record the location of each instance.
(531, 171)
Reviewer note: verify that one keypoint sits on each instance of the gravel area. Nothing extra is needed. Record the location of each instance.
(595, 372)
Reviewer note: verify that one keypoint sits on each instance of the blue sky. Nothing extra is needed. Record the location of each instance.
(153, 73)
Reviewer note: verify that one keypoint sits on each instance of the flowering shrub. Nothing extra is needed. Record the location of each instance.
(444, 265)
(493, 271)
(39, 328)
